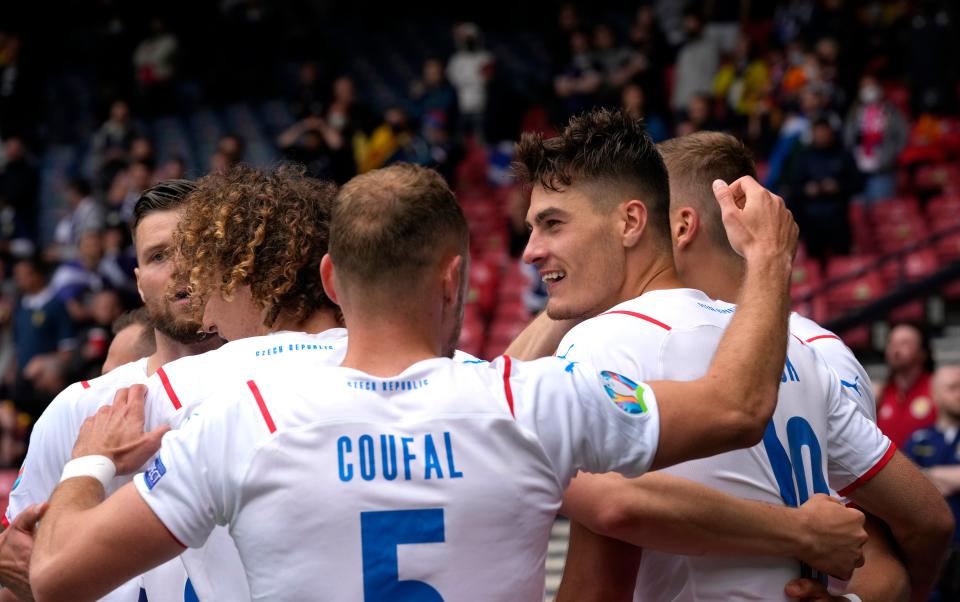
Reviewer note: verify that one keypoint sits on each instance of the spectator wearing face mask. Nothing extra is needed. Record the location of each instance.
(876, 132)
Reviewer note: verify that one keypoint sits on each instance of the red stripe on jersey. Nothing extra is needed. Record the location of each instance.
(263, 406)
(799, 340)
(168, 388)
(823, 336)
(641, 316)
(4, 521)
(506, 383)
(870, 473)
(84, 384)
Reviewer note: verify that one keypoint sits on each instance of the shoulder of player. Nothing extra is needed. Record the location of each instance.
(809, 331)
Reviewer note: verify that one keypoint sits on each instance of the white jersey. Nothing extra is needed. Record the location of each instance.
(439, 483)
(817, 439)
(838, 356)
(51, 447)
(175, 394)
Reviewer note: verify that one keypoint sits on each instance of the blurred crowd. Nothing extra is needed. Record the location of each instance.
(834, 97)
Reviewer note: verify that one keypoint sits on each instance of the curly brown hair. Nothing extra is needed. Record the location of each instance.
(268, 229)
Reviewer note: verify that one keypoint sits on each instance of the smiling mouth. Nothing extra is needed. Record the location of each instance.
(553, 276)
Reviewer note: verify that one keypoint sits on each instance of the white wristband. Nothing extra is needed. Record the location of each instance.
(852, 597)
(101, 468)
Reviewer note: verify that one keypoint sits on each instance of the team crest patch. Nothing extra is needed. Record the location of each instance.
(152, 475)
(624, 393)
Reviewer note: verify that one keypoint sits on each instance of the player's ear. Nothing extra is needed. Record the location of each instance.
(634, 216)
(326, 277)
(136, 274)
(684, 225)
(452, 278)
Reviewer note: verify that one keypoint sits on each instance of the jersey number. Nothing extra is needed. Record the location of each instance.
(380, 534)
(786, 468)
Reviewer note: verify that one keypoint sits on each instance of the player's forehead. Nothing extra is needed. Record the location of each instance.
(157, 227)
(571, 201)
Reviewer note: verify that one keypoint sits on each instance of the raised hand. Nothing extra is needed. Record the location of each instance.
(756, 220)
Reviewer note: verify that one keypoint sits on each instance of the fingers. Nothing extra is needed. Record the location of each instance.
(724, 195)
(27, 520)
(137, 398)
(804, 588)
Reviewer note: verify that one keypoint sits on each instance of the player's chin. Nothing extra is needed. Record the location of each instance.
(558, 309)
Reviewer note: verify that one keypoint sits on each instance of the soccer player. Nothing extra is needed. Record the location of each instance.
(600, 198)
(133, 338)
(156, 214)
(322, 474)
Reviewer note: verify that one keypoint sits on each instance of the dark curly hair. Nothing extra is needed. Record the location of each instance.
(600, 147)
(265, 229)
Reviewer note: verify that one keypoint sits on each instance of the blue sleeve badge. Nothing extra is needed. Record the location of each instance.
(624, 393)
(152, 475)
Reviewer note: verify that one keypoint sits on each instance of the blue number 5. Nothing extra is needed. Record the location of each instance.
(380, 534)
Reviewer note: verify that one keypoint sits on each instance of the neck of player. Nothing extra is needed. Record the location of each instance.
(316, 322)
(169, 350)
(640, 278)
(387, 344)
(717, 274)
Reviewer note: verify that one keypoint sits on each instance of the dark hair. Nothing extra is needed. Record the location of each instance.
(165, 196)
(694, 162)
(388, 224)
(925, 343)
(135, 316)
(265, 229)
(147, 341)
(604, 147)
(81, 186)
(36, 262)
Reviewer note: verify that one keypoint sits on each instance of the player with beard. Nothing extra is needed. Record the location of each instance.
(177, 333)
(281, 458)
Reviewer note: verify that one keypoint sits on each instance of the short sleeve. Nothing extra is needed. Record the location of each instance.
(857, 450)
(185, 482)
(616, 341)
(588, 419)
(50, 448)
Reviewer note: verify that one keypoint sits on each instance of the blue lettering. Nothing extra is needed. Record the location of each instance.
(454, 473)
(389, 460)
(367, 468)
(407, 456)
(432, 460)
(346, 469)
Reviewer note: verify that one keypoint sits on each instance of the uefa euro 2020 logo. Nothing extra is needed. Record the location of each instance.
(626, 394)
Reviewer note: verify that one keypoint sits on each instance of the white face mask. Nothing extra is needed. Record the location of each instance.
(869, 94)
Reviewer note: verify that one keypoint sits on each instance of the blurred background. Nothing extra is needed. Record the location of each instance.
(850, 107)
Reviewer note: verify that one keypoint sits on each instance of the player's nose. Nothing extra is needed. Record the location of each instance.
(534, 252)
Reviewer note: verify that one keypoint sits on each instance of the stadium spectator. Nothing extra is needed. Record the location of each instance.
(578, 82)
(936, 449)
(74, 281)
(876, 131)
(904, 405)
(309, 96)
(824, 179)
(174, 168)
(468, 71)
(697, 63)
(20, 187)
(647, 38)
(155, 60)
(127, 186)
(112, 142)
(348, 115)
(85, 215)
(433, 96)
(618, 63)
(633, 101)
(699, 116)
(558, 39)
(318, 146)
(43, 336)
(744, 80)
(133, 338)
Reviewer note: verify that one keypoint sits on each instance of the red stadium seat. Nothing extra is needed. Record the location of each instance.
(857, 338)
(857, 291)
(894, 210)
(943, 212)
(895, 236)
(914, 266)
(911, 312)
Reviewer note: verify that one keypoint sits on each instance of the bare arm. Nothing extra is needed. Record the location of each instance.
(678, 516)
(918, 518)
(540, 338)
(744, 376)
(16, 544)
(86, 548)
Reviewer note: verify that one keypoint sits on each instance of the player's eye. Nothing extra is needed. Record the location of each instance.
(552, 224)
(158, 256)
